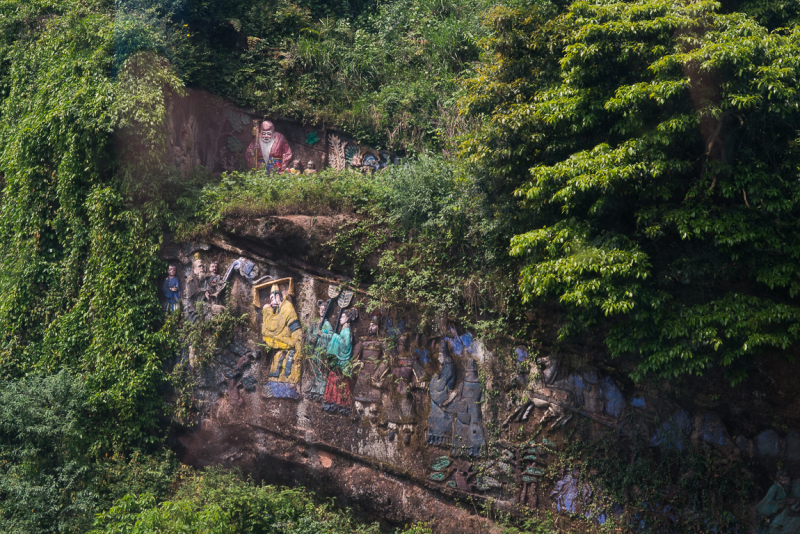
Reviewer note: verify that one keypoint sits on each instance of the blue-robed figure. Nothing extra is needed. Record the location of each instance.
(172, 290)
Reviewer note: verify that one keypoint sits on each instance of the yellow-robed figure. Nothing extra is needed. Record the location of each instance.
(282, 332)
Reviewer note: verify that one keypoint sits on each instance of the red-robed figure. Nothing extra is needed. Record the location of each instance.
(269, 150)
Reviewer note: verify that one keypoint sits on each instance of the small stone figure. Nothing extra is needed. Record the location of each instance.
(172, 290)
(319, 337)
(216, 285)
(282, 332)
(269, 149)
(297, 168)
(371, 352)
(197, 296)
(311, 167)
(338, 396)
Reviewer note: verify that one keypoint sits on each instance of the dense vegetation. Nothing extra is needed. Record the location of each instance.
(634, 162)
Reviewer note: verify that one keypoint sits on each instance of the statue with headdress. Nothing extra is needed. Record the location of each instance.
(338, 396)
(283, 335)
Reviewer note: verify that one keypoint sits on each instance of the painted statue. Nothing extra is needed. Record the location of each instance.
(371, 352)
(282, 333)
(197, 295)
(319, 337)
(338, 396)
(779, 511)
(172, 290)
(297, 168)
(311, 167)
(269, 149)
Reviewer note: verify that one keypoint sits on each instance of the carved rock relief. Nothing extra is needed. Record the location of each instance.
(320, 363)
(207, 131)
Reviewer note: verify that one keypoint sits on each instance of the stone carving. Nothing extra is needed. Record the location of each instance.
(404, 374)
(336, 156)
(283, 334)
(371, 353)
(338, 396)
(172, 290)
(779, 510)
(297, 168)
(319, 337)
(197, 296)
(561, 397)
(455, 416)
(311, 167)
(269, 149)
(246, 268)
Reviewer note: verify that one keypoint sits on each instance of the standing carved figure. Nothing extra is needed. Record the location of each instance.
(197, 296)
(319, 337)
(371, 352)
(468, 435)
(338, 396)
(440, 421)
(404, 375)
(282, 332)
(172, 290)
(269, 149)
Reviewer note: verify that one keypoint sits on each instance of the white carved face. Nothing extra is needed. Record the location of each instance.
(267, 131)
(373, 328)
(322, 309)
(344, 319)
(275, 299)
(172, 270)
(199, 269)
(213, 268)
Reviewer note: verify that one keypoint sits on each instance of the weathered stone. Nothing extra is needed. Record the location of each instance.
(709, 430)
(768, 444)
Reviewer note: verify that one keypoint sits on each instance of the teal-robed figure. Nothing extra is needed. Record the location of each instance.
(338, 396)
(319, 337)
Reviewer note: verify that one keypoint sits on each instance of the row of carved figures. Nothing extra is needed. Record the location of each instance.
(346, 376)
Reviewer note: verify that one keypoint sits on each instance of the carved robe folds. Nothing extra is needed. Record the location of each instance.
(338, 391)
(319, 370)
(281, 331)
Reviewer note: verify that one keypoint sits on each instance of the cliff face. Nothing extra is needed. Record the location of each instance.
(397, 420)
(319, 384)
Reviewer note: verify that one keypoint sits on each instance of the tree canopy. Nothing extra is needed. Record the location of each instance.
(651, 148)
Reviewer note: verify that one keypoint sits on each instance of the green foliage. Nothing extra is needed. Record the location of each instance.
(49, 480)
(382, 71)
(653, 152)
(219, 502)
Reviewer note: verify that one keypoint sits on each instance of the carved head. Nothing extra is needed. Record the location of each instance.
(311, 166)
(172, 270)
(374, 323)
(266, 131)
(213, 268)
(198, 268)
(275, 297)
(321, 307)
(296, 165)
